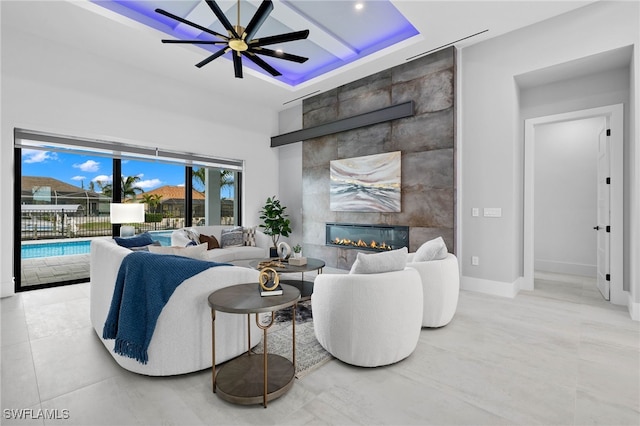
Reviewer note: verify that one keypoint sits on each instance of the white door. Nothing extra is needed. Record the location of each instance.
(603, 214)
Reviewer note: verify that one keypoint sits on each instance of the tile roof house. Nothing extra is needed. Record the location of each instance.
(172, 200)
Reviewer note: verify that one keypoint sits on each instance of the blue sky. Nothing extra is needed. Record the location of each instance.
(80, 170)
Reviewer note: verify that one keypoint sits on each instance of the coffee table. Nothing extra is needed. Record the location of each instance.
(252, 379)
(305, 287)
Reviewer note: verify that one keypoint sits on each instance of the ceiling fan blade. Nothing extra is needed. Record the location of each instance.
(262, 64)
(280, 55)
(258, 19)
(184, 21)
(237, 64)
(280, 38)
(222, 18)
(194, 41)
(212, 57)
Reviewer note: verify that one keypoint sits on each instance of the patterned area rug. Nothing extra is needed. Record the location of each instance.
(310, 355)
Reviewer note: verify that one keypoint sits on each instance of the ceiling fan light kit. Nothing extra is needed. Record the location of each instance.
(240, 39)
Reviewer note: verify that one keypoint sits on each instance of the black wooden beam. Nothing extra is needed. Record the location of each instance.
(367, 119)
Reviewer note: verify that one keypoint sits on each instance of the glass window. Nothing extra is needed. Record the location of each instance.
(214, 196)
(160, 187)
(66, 186)
(62, 205)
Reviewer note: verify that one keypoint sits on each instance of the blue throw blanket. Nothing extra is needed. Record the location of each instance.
(145, 283)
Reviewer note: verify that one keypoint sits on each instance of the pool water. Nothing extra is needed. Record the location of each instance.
(32, 251)
(164, 237)
(65, 248)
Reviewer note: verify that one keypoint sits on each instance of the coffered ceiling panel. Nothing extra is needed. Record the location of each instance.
(341, 32)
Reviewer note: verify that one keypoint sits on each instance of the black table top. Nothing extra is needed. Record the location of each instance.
(246, 299)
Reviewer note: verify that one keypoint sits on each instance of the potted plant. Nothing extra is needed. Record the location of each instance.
(297, 260)
(297, 251)
(275, 222)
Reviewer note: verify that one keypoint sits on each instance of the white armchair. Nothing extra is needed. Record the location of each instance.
(441, 287)
(368, 320)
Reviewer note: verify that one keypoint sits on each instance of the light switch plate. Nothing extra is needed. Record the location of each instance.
(493, 212)
(475, 212)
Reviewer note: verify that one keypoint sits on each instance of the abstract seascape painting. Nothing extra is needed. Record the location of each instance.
(366, 184)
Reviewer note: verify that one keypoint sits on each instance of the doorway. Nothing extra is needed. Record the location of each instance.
(583, 260)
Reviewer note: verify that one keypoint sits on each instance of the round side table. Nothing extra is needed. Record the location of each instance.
(253, 379)
(305, 286)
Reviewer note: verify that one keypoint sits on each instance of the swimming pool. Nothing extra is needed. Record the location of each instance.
(65, 248)
(58, 248)
(164, 237)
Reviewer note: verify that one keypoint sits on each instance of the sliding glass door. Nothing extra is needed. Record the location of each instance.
(63, 192)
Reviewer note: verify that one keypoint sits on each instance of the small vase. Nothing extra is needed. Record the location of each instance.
(297, 255)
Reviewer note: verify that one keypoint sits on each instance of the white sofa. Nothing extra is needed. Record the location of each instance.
(368, 320)
(181, 342)
(229, 254)
(441, 287)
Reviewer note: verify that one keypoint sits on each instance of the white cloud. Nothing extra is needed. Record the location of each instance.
(37, 156)
(103, 178)
(78, 178)
(88, 166)
(149, 183)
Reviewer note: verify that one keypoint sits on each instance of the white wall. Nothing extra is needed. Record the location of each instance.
(290, 172)
(491, 140)
(52, 87)
(566, 196)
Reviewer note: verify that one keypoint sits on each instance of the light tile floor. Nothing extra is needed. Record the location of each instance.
(559, 355)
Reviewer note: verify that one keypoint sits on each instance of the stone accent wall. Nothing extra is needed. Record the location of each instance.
(426, 140)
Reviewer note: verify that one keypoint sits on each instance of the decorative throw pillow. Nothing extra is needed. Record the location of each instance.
(193, 235)
(250, 236)
(431, 250)
(195, 252)
(210, 240)
(388, 261)
(232, 237)
(135, 241)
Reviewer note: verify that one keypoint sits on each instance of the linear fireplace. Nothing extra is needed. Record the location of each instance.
(367, 237)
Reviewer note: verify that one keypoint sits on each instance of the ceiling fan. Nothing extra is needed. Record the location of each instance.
(240, 40)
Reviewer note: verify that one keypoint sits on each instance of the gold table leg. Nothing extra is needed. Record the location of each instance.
(293, 308)
(264, 354)
(213, 349)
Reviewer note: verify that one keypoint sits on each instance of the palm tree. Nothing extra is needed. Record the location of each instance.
(152, 200)
(199, 179)
(227, 179)
(105, 188)
(128, 188)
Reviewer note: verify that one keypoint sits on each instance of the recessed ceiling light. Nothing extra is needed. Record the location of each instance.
(279, 51)
(359, 6)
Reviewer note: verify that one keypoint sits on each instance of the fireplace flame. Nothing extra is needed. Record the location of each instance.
(373, 244)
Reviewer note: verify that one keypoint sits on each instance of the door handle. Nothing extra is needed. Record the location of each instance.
(597, 228)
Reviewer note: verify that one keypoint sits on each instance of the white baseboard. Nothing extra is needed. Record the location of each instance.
(634, 309)
(7, 288)
(495, 288)
(565, 268)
